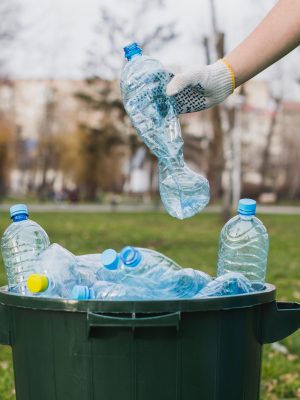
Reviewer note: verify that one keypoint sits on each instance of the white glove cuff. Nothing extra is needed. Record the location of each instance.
(221, 82)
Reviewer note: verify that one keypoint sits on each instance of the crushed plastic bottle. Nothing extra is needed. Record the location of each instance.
(111, 270)
(244, 245)
(21, 243)
(146, 262)
(86, 268)
(143, 82)
(185, 283)
(229, 284)
(104, 290)
(56, 274)
(162, 273)
(148, 274)
(89, 260)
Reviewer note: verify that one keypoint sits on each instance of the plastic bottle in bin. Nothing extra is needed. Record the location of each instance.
(166, 277)
(147, 262)
(143, 85)
(57, 274)
(244, 245)
(21, 244)
(134, 267)
(111, 270)
(185, 283)
(104, 290)
(229, 284)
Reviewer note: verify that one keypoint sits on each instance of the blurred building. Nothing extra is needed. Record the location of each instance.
(39, 108)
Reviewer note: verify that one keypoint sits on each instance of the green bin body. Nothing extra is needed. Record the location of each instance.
(204, 349)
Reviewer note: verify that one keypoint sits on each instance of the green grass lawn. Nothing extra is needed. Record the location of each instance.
(192, 243)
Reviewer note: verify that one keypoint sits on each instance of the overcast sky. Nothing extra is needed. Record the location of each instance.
(58, 34)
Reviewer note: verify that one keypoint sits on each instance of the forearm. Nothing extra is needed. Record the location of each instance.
(275, 36)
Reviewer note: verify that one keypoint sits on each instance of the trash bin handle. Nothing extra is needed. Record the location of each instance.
(108, 321)
(5, 337)
(279, 320)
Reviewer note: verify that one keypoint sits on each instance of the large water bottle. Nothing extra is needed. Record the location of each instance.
(21, 243)
(143, 82)
(56, 273)
(244, 245)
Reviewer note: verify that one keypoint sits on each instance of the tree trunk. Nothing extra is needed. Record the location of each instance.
(267, 150)
(216, 155)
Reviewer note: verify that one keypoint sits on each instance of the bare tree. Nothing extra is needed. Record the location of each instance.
(216, 162)
(9, 29)
(266, 154)
(46, 154)
(223, 161)
(102, 140)
(114, 31)
(6, 155)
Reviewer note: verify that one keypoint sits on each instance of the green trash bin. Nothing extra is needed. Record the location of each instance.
(205, 349)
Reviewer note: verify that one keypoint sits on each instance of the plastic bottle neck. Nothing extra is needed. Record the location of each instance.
(19, 217)
(246, 217)
(134, 56)
(131, 257)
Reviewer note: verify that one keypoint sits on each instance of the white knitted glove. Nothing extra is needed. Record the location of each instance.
(201, 87)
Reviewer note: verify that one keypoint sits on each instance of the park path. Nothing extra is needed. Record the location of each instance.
(92, 208)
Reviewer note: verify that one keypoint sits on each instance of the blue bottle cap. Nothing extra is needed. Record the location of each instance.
(110, 259)
(131, 50)
(18, 209)
(130, 256)
(247, 207)
(80, 292)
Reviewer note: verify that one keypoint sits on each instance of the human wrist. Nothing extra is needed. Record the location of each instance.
(240, 71)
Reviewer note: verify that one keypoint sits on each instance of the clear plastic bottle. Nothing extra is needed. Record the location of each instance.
(244, 245)
(143, 82)
(229, 284)
(166, 278)
(111, 270)
(104, 290)
(21, 244)
(56, 274)
(131, 267)
(146, 262)
(87, 267)
(184, 284)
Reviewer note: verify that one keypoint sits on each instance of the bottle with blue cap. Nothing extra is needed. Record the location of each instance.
(146, 262)
(183, 192)
(21, 244)
(244, 245)
(111, 270)
(161, 275)
(103, 290)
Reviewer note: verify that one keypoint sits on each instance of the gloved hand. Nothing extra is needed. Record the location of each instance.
(201, 87)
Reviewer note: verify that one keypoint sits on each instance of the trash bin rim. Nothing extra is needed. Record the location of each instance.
(143, 306)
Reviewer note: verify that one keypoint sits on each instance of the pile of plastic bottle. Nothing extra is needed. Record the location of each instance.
(34, 267)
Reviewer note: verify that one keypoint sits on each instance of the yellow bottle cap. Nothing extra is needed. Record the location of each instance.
(37, 283)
